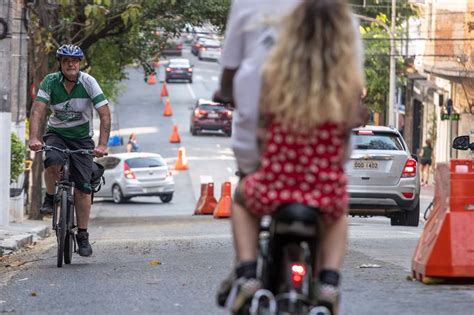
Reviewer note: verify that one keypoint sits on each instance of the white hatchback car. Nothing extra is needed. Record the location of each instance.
(135, 174)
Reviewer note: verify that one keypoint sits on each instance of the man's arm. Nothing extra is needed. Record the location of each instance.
(226, 92)
(105, 125)
(38, 110)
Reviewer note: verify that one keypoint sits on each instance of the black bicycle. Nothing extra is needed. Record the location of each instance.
(63, 211)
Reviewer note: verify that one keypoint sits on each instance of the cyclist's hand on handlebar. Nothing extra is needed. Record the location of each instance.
(219, 98)
(100, 150)
(35, 144)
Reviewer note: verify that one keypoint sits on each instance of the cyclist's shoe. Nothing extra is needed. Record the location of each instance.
(48, 205)
(245, 291)
(85, 248)
(328, 296)
(224, 289)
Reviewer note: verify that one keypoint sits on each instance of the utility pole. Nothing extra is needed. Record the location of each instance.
(392, 119)
(5, 114)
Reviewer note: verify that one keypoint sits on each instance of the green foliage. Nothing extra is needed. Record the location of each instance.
(113, 34)
(377, 48)
(18, 154)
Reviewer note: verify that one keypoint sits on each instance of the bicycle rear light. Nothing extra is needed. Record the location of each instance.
(298, 272)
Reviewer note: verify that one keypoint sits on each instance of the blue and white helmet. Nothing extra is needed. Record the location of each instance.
(69, 51)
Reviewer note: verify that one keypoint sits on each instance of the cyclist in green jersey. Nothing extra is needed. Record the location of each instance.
(71, 95)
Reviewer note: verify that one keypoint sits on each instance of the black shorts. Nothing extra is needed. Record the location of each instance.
(80, 164)
(426, 162)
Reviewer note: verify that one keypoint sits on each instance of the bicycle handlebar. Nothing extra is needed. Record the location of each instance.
(67, 151)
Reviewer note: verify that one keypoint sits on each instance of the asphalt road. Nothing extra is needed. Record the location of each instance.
(155, 258)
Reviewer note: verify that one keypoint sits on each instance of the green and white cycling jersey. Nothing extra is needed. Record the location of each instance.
(72, 113)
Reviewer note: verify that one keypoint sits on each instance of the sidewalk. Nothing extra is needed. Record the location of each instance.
(19, 235)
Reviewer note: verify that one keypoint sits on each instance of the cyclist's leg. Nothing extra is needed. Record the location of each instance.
(81, 174)
(53, 161)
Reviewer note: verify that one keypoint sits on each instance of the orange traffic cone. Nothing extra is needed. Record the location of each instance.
(167, 110)
(164, 90)
(175, 138)
(182, 161)
(224, 206)
(151, 79)
(207, 202)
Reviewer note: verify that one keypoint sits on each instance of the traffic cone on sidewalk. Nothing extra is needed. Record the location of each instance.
(175, 138)
(182, 161)
(151, 79)
(223, 208)
(167, 110)
(164, 90)
(207, 202)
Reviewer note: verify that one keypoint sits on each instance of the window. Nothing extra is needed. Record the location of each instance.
(377, 141)
(145, 162)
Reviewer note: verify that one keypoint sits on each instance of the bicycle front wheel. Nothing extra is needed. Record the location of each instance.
(61, 228)
(69, 243)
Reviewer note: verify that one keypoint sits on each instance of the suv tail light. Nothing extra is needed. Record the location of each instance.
(298, 272)
(227, 113)
(127, 172)
(409, 170)
(190, 69)
(168, 69)
(199, 112)
(179, 46)
(169, 174)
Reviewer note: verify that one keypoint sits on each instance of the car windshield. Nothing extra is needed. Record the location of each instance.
(212, 43)
(179, 63)
(376, 141)
(211, 107)
(145, 162)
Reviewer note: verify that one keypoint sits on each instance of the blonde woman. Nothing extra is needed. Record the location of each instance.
(310, 100)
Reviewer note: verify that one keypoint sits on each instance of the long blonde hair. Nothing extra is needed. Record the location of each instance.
(313, 74)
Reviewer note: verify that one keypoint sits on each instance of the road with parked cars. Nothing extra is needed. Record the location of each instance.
(151, 255)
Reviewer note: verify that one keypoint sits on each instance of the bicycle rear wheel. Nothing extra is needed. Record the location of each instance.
(68, 246)
(61, 228)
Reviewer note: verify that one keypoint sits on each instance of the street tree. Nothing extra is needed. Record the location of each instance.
(112, 34)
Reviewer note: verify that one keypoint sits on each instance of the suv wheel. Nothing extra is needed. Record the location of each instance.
(166, 198)
(407, 217)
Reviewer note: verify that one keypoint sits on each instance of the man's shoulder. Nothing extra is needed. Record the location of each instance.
(88, 81)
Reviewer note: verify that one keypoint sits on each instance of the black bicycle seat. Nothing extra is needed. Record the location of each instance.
(297, 212)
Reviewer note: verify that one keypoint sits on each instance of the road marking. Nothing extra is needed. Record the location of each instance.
(229, 169)
(218, 145)
(199, 77)
(190, 89)
(214, 78)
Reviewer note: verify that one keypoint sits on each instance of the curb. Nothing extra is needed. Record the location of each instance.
(23, 240)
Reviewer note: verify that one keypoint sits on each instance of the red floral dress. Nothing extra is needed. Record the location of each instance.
(303, 167)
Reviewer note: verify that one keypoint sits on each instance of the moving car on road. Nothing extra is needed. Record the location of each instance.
(208, 115)
(179, 69)
(135, 174)
(383, 176)
(210, 49)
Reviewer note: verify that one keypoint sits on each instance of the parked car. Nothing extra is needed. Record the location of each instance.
(135, 174)
(197, 43)
(208, 115)
(383, 176)
(210, 49)
(173, 47)
(179, 69)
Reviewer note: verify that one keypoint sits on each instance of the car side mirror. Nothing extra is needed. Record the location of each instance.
(415, 157)
(461, 143)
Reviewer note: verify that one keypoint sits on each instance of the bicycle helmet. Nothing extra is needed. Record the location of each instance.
(69, 51)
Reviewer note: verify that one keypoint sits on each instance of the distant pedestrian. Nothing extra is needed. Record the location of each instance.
(426, 155)
(132, 145)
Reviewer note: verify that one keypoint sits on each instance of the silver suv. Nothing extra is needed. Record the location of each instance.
(383, 176)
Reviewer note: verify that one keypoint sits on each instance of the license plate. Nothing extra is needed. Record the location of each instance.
(373, 165)
(213, 115)
(153, 189)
